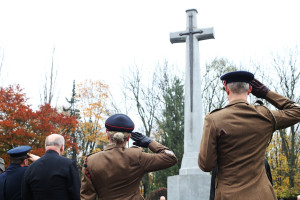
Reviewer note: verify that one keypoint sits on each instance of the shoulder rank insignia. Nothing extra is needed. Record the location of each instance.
(259, 102)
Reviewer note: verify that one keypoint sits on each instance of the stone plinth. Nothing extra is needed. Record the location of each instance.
(189, 187)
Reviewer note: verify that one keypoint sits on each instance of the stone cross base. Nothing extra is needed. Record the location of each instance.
(189, 187)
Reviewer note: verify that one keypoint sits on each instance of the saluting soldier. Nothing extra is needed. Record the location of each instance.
(235, 138)
(115, 172)
(11, 179)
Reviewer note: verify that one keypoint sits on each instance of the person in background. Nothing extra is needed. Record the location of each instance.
(52, 176)
(11, 179)
(162, 198)
(116, 172)
(235, 138)
(2, 167)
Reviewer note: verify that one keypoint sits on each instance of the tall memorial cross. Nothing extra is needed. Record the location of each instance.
(193, 98)
(191, 183)
(191, 32)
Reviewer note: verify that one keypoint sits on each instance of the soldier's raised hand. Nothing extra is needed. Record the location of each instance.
(258, 89)
(140, 139)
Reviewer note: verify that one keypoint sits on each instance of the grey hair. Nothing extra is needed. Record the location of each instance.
(55, 141)
(238, 87)
(118, 137)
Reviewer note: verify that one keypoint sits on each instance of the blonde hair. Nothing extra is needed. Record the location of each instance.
(118, 137)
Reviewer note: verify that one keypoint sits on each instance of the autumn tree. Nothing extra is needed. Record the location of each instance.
(92, 102)
(20, 125)
(287, 147)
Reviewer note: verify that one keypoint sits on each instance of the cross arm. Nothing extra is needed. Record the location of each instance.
(175, 37)
(208, 33)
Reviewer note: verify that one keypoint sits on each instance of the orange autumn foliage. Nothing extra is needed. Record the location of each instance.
(20, 125)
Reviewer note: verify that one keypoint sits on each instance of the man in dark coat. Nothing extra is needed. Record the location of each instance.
(11, 179)
(52, 176)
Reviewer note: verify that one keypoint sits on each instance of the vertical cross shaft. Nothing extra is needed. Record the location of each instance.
(191, 33)
(193, 101)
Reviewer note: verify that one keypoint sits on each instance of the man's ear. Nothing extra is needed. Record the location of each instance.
(226, 89)
(108, 136)
(61, 149)
(250, 89)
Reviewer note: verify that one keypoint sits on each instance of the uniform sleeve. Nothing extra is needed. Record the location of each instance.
(207, 159)
(87, 191)
(74, 182)
(161, 158)
(288, 113)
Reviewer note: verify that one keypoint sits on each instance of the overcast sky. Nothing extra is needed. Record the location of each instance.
(98, 39)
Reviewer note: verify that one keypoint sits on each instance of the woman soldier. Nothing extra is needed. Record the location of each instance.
(116, 172)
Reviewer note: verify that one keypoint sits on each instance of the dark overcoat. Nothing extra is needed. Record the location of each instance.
(11, 181)
(116, 172)
(51, 177)
(235, 140)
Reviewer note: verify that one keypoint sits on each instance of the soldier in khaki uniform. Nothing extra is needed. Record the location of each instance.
(235, 138)
(115, 173)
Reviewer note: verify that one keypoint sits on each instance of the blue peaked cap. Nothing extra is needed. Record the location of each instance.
(19, 151)
(237, 76)
(119, 122)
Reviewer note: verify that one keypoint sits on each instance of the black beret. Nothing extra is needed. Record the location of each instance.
(19, 151)
(237, 76)
(119, 122)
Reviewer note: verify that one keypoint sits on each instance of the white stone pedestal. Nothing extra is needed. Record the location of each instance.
(189, 187)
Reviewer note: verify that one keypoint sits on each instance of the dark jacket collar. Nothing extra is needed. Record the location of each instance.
(51, 152)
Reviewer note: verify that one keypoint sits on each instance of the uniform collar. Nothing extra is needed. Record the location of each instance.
(112, 145)
(237, 102)
(12, 167)
(50, 151)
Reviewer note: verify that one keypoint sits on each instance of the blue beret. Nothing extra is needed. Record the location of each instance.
(237, 76)
(119, 122)
(19, 151)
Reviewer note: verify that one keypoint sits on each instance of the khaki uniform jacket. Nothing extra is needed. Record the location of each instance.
(235, 140)
(115, 173)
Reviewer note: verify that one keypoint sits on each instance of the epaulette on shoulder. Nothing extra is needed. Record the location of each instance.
(259, 102)
(215, 110)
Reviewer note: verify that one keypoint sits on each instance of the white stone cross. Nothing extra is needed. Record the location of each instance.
(193, 101)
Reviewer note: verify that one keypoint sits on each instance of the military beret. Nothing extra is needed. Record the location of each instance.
(19, 151)
(237, 76)
(119, 122)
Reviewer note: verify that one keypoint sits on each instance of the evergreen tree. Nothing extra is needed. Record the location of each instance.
(171, 128)
(73, 112)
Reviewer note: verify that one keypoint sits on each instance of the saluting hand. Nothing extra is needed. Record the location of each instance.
(140, 139)
(258, 89)
(32, 157)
